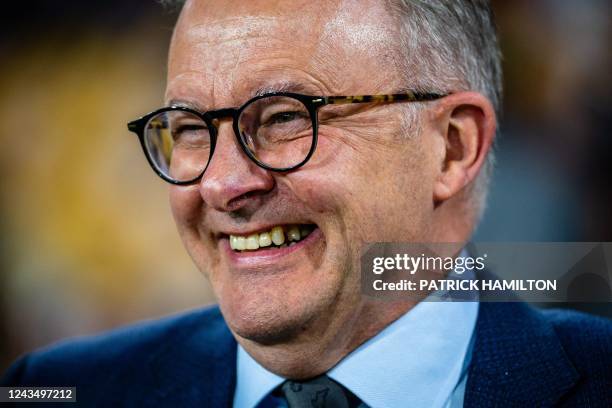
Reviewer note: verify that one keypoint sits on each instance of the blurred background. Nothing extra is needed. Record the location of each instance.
(87, 241)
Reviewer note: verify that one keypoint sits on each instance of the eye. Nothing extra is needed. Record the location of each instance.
(283, 117)
(185, 130)
(190, 136)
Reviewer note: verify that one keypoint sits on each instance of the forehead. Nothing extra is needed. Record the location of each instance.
(225, 50)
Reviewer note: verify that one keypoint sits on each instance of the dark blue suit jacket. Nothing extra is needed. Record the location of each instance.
(522, 357)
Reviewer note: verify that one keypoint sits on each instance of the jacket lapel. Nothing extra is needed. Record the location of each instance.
(197, 367)
(517, 359)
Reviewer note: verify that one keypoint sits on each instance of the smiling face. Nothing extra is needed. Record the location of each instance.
(366, 182)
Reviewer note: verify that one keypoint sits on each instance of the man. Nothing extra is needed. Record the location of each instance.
(278, 182)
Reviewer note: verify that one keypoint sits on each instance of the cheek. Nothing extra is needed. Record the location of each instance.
(381, 191)
(186, 205)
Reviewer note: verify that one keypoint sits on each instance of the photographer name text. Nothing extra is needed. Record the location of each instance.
(466, 285)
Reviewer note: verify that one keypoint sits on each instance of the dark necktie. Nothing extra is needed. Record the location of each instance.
(319, 392)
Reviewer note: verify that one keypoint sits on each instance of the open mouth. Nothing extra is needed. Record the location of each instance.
(280, 236)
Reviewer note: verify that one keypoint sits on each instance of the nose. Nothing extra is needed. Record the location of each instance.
(232, 181)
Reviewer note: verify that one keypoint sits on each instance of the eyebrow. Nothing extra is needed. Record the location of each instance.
(185, 104)
(286, 86)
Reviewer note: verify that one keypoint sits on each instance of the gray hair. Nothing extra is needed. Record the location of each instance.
(452, 45)
(448, 45)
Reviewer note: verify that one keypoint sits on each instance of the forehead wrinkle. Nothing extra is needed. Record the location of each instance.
(205, 34)
(274, 62)
(361, 31)
(225, 40)
(351, 40)
(232, 28)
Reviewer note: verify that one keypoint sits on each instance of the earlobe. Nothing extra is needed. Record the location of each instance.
(468, 131)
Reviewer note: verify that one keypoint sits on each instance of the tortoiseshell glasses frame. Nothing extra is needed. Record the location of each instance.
(159, 149)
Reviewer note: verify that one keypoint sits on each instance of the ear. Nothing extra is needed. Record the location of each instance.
(466, 127)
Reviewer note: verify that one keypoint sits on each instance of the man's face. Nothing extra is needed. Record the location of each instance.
(368, 180)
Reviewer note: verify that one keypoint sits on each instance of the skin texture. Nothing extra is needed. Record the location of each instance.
(299, 314)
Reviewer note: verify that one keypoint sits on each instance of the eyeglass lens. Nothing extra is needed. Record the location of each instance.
(178, 143)
(276, 130)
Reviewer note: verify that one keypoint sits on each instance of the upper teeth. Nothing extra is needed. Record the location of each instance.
(276, 236)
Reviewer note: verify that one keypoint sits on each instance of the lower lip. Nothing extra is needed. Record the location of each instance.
(272, 254)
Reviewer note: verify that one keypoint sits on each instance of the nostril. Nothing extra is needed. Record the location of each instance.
(240, 201)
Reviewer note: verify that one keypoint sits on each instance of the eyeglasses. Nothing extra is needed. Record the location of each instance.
(277, 131)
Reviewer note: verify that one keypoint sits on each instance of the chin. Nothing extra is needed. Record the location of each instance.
(267, 324)
(274, 314)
